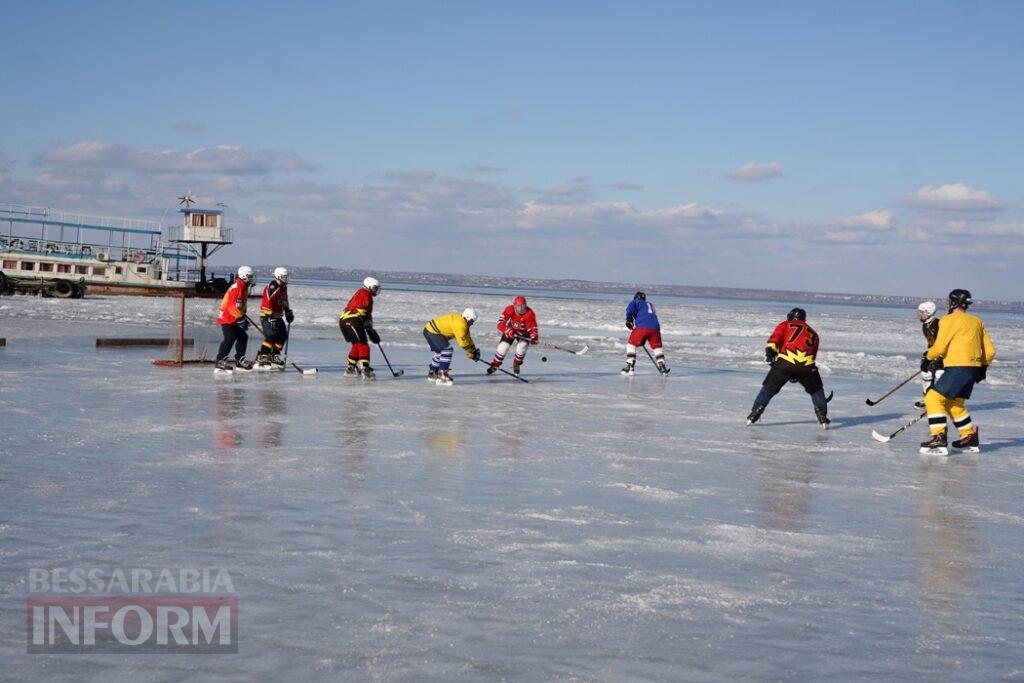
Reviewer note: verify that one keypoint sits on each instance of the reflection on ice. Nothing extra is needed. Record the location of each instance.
(785, 479)
(946, 537)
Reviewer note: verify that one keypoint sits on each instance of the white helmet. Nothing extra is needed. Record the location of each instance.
(470, 315)
(372, 284)
(245, 273)
(927, 307)
(281, 274)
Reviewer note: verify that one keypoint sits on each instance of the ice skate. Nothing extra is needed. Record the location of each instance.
(936, 445)
(968, 444)
(755, 415)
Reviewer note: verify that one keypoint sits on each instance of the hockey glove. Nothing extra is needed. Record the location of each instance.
(629, 324)
(935, 365)
(925, 363)
(473, 355)
(372, 335)
(289, 316)
(242, 323)
(982, 374)
(770, 354)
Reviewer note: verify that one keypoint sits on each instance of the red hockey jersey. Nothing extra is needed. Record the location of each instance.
(512, 325)
(275, 300)
(795, 341)
(359, 306)
(232, 306)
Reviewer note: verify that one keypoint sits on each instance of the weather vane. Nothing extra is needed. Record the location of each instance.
(186, 199)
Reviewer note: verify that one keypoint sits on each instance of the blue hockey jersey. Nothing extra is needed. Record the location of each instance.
(642, 314)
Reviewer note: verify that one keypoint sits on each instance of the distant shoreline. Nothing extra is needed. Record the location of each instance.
(497, 282)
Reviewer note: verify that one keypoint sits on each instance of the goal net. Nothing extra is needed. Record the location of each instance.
(193, 334)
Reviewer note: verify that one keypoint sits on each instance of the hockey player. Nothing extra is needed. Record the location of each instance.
(966, 351)
(356, 325)
(930, 329)
(791, 350)
(439, 332)
(274, 312)
(643, 321)
(518, 325)
(233, 322)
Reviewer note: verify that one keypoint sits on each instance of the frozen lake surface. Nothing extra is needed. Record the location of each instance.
(588, 527)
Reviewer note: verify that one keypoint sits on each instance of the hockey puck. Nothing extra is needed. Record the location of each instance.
(543, 359)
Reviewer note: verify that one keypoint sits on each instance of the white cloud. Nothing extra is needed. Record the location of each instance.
(416, 217)
(221, 159)
(870, 220)
(621, 219)
(755, 172)
(576, 191)
(848, 236)
(684, 215)
(469, 206)
(957, 197)
(959, 228)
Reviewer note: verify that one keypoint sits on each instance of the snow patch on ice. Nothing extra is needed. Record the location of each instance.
(650, 491)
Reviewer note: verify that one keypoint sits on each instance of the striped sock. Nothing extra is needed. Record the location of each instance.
(937, 423)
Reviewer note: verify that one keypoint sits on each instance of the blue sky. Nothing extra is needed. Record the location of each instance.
(872, 147)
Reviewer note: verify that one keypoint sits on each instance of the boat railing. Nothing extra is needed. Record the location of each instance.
(41, 214)
(87, 250)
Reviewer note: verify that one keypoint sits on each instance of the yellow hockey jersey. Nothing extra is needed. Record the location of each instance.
(452, 326)
(962, 341)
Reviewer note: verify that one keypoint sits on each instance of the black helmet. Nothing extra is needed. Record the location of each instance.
(639, 296)
(959, 298)
(797, 314)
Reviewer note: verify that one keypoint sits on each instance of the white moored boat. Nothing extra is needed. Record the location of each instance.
(65, 254)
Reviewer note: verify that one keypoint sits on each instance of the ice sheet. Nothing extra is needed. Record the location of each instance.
(588, 527)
